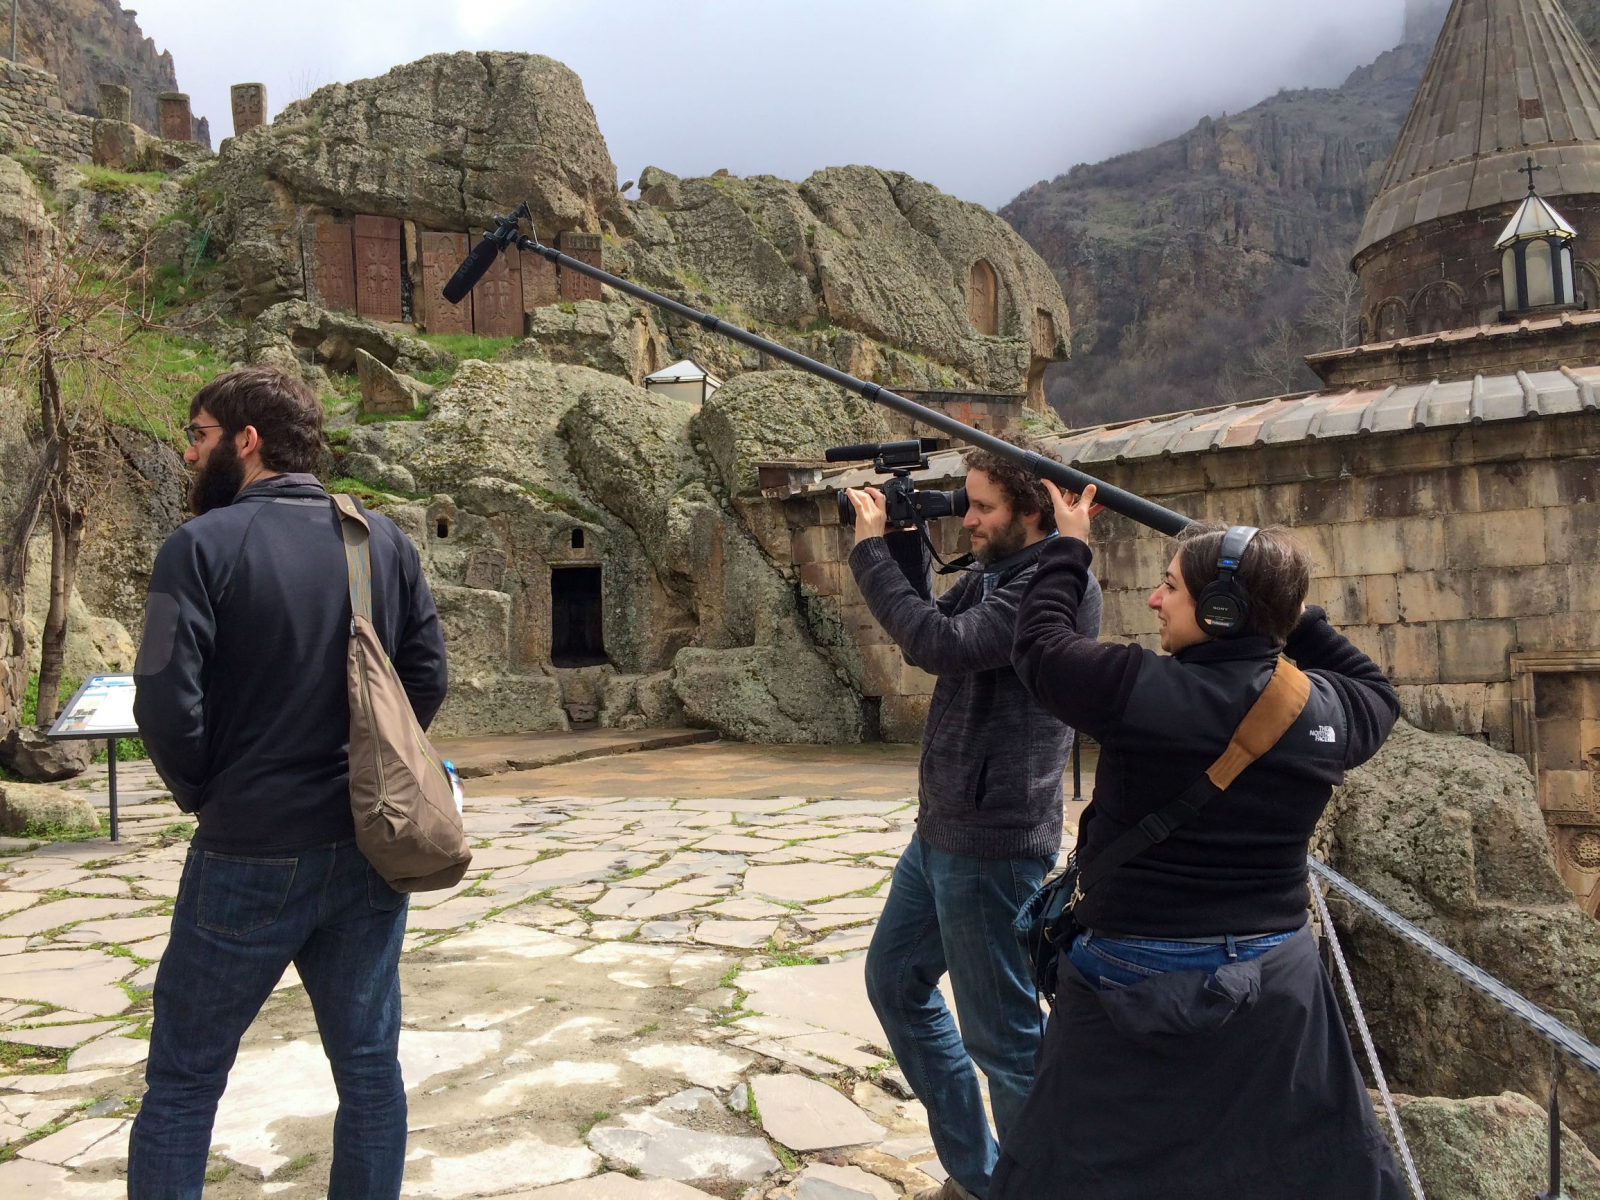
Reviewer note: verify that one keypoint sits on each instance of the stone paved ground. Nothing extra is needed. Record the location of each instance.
(649, 985)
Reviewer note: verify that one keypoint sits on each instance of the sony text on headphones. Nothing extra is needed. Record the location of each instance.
(1223, 609)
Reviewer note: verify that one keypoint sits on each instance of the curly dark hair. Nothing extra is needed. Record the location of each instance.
(1275, 573)
(1022, 491)
(285, 412)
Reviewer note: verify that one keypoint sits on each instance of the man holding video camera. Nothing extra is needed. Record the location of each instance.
(988, 820)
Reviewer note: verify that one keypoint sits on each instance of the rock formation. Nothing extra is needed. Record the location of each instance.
(445, 142)
(1489, 1148)
(534, 467)
(1448, 833)
(857, 251)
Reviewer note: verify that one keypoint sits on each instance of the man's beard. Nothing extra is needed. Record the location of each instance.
(1003, 543)
(218, 481)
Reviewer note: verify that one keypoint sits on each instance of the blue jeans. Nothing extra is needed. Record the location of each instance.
(1121, 962)
(238, 923)
(948, 912)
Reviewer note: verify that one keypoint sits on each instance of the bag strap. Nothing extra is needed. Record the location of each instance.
(357, 557)
(1269, 718)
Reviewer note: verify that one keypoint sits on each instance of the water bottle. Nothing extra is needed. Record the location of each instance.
(455, 784)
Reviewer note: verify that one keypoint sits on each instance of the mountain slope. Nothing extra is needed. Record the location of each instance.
(1188, 265)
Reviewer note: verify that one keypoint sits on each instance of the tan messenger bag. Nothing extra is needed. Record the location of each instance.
(407, 823)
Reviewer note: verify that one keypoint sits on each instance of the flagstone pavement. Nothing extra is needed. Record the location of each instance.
(648, 985)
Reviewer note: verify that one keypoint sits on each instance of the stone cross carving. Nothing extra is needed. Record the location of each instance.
(249, 106)
(497, 300)
(441, 254)
(378, 267)
(332, 267)
(177, 121)
(585, 247)
(1528, 171)
(539, 283)
(116, 103)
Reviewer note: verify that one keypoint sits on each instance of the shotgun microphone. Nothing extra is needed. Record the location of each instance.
(474, 268)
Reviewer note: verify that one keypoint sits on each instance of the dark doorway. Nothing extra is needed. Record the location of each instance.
(576, 631)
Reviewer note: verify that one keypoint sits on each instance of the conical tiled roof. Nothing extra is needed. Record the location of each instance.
(1508, 79)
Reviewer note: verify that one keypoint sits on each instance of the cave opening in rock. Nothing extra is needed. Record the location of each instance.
(577, 539)
(577, 632)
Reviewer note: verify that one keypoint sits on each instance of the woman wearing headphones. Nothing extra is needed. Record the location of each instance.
(1196, 1048)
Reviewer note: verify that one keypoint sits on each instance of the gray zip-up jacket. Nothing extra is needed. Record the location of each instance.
(989, 782)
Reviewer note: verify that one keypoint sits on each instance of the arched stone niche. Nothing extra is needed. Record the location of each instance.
(1391, 320)
(1438, 307)
(983, 298)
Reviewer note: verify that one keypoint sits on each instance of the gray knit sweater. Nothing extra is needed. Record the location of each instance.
(989, 782)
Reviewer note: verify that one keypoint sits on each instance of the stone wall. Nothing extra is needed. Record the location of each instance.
(33, 115)
(1439, 552)
(1446, 274)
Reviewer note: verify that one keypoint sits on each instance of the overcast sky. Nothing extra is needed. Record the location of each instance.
(982, 99)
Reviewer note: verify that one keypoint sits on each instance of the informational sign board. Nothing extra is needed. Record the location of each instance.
(101, 708)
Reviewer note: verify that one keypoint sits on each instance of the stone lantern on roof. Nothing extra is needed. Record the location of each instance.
(1536, 256)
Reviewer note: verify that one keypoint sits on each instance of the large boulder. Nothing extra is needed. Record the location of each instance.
(770, 415)
(27, 752)
(32, 808)
(766, 694)
(296, 332)
(615, 337)
(1448, 833)
(1490, 1148)
(25, 228)
(498, 419)
(447, 141)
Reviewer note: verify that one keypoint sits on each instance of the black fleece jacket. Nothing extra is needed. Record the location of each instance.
(1239, 867)
(241, 671)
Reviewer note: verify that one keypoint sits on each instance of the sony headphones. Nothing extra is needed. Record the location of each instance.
(1223, 609)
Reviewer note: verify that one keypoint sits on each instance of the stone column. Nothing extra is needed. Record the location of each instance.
(116, 102)
(177, 122)
(249, 106)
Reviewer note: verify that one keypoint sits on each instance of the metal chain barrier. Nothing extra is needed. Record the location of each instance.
(1366, 1042)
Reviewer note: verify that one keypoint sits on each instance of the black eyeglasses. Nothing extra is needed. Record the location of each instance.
(195, 432)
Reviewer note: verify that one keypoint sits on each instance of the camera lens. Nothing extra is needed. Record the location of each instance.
(847, 511)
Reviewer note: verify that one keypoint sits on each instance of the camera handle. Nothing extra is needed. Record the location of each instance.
(507, 233)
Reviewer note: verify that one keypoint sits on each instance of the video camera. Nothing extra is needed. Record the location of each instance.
(905, 504)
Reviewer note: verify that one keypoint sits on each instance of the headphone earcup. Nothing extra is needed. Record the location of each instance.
(1222, 610)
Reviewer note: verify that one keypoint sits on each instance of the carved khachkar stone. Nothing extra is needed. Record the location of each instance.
(332, 264)
(116, 102)
(378, 268)
(177, 121)
(497, 300)
(249, 106)
(585, 247)
(539, 283)
(487, 569)
(441, 255)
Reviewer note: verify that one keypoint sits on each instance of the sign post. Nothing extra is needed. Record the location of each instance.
(101, 708)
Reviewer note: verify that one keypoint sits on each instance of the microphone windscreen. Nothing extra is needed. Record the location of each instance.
(851, 453)
(471, 270)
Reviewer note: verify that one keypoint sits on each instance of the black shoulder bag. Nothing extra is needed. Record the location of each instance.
(1046, 924)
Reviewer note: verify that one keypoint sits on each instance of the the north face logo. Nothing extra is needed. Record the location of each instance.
(1322, 733)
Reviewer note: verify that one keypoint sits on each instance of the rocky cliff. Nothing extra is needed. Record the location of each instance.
(1177, 259)
(85, 43)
